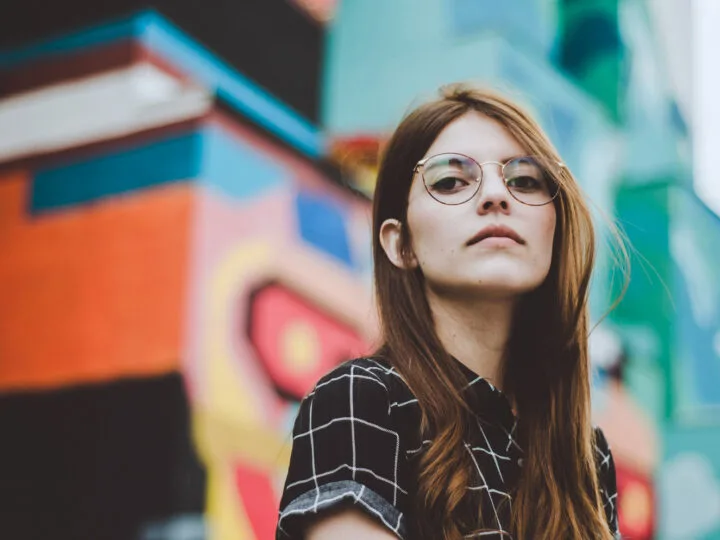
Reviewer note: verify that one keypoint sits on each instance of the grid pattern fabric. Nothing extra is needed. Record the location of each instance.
(356, 443)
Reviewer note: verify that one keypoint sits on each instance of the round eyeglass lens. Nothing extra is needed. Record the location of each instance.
(529, 179)
(451, 178)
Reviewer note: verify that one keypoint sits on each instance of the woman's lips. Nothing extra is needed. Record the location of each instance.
(499, 234)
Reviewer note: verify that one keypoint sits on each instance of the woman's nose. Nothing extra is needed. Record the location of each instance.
(492, 193)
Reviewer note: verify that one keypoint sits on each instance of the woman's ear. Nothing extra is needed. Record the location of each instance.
(392, 244)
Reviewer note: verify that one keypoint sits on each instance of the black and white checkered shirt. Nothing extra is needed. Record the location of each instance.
(356, 442)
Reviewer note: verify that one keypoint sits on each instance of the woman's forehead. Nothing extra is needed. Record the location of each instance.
(477, 136)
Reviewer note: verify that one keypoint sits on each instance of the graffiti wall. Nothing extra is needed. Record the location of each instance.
(279, 295)
(176, 274)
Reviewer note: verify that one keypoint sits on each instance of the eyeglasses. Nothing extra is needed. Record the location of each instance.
(456, 178)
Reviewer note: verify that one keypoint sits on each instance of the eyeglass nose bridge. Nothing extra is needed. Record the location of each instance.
(481, 184)
(501, 170)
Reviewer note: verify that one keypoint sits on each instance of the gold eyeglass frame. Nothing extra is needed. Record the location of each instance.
(479, 180)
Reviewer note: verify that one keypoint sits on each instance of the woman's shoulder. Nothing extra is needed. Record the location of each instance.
(367, 374)
(367, 390)
(602, 447)
(607, 477)
(603, 454)
(349, 445)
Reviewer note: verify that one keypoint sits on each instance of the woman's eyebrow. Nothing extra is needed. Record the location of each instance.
(513, 156)
(503, 160)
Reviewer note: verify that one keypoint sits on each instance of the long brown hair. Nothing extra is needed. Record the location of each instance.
(547, 368)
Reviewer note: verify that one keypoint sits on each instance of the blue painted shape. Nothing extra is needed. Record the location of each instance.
(522, 19)
(83, 39)
(241, 93)
(688, 482)
(701, 366)
(677, 119)
(562, 113)
(562, 125)
(117, 172)
(322, 224)
(237, 170)
(170, 43)
(695, 235)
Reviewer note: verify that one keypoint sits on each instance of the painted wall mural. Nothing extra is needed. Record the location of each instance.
(188, 244)
(279, 294)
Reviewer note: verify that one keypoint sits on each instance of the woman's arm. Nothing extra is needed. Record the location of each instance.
(348, 525)
(348, 454)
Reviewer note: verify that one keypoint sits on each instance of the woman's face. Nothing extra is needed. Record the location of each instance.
(444, 237)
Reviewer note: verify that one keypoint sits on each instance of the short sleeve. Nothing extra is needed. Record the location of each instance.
(346, 453)
(608, 481)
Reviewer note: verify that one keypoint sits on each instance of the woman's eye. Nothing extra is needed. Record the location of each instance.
(449, 183)
(525, 183)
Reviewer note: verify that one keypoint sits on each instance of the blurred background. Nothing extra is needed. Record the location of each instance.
(185, 248)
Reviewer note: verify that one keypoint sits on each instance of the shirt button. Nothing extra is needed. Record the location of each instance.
(520, 462)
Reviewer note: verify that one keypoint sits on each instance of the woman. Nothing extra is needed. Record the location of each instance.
(473, 417)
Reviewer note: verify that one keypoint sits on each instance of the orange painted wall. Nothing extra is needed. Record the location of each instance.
(92, 293)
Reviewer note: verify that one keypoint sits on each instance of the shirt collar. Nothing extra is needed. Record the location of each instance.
(486, 400)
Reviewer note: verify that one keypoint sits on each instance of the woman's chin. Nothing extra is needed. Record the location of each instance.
(500, 288)
(497, 287)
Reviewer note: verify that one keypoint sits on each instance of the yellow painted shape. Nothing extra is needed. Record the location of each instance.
(227, 391)
(300, 346)
(636, 505)
(227, 427)
(221, 439)
(226, 514)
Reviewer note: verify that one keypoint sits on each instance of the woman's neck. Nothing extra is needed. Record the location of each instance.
(474, 331)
